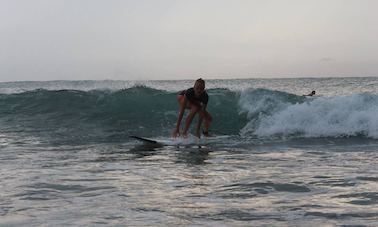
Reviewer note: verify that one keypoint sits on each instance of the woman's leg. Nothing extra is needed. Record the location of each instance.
(189, 118)
(206, 121)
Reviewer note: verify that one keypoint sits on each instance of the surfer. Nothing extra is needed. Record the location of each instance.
(194, 99)
(311, 94)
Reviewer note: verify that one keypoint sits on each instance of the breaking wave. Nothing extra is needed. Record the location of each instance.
(99, 115)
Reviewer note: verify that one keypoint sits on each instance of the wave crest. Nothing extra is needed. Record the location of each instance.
(354, 115)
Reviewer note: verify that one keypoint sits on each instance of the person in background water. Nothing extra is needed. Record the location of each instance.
(311, 94)
(194, 99)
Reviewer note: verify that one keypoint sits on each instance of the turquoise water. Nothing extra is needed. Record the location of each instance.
(277, 158)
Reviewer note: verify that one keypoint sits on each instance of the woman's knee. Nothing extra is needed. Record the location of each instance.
(209, 118)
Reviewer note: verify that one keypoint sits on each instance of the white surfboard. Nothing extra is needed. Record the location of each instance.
(190, 140)
(147, 140)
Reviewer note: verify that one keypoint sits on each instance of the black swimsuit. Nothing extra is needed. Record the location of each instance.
(190, 95)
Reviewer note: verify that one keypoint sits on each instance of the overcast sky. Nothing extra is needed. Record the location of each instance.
(177, 39)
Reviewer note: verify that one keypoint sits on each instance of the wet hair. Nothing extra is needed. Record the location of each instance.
(201, 81)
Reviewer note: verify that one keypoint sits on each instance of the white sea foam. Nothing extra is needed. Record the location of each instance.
(258, 103)
(351, 115)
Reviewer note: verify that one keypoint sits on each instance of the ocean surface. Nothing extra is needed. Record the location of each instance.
(276, 158)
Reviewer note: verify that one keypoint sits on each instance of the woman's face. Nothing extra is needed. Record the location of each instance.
(199, 88)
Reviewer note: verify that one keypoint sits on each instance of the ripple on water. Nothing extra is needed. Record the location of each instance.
(270, 186)
(250, 190)
(374, 179)
(330, 215)
(243, 215)
(46, 191)
(364, 198)
(334, 182)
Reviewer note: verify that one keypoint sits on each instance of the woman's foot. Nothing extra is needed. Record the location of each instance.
(206, 133)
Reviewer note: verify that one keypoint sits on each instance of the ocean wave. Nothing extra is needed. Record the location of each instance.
(103, 115)
(344, 116)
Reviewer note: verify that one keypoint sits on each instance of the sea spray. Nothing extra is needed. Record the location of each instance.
(257, 104)
(344, 116)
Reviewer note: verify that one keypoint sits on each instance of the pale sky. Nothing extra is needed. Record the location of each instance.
(185, 39)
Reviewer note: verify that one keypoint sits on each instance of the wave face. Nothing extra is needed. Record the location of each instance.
(107, 115)
(98, 115)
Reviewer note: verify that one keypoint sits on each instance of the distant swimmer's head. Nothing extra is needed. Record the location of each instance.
(311, 94)
(199, 87)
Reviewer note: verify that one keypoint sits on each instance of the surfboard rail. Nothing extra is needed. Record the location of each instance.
(144, 139)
